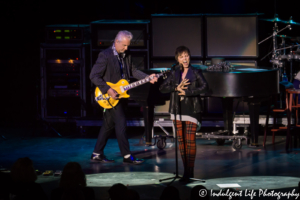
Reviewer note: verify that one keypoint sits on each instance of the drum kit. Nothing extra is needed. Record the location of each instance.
(285, 51)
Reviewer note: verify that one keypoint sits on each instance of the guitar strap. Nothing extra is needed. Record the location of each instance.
(122, 64)
(123, 67)
(128, 65)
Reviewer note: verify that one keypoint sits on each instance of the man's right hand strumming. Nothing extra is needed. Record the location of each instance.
(113, 94)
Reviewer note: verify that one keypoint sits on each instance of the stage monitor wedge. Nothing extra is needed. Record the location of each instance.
(231, 36)
(171, 31)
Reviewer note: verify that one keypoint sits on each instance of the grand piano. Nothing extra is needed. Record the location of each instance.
(254, 84)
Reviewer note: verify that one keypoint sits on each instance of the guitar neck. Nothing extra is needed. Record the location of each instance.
(141, 82)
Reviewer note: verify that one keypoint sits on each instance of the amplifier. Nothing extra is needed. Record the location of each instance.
(67, 33)
(62, 92)
(63, 65)
(103, 33)
(63, 80)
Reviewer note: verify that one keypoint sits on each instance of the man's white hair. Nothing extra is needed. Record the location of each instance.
(122, 34)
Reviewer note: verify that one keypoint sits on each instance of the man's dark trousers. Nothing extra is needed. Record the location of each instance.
(114, 118)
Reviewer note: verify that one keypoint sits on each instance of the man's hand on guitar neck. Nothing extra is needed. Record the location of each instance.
(113, 94)
(154, 78)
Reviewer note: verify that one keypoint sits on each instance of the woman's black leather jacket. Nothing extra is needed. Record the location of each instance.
(192, 93)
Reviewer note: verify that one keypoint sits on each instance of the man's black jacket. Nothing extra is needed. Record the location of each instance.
(107, 69)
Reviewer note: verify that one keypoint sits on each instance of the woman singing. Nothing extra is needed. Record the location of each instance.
(185, 83)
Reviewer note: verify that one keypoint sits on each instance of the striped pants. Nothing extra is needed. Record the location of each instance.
(186, 135)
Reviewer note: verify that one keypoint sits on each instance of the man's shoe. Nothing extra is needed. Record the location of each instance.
(132, 160)
(101, 158)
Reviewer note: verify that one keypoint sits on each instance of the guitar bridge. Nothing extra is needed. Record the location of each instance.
(100, 97)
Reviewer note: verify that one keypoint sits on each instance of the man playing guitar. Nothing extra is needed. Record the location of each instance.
(111, 66)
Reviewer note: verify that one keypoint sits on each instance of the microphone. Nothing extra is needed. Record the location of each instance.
(174, 65)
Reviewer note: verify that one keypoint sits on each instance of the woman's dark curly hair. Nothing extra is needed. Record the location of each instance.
(179, 51)
(23, 171)
(72, 176)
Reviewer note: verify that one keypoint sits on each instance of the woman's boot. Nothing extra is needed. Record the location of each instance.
(185, 176)
(191, 172)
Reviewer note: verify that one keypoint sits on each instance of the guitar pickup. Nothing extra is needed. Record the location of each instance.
(122, 89)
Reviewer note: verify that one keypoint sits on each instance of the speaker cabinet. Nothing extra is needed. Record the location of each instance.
(171, 31)
(231, 36)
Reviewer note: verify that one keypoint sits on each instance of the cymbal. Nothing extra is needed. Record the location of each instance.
(292, 22)
(276, 19)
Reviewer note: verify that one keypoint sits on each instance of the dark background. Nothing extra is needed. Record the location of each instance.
(23, 23)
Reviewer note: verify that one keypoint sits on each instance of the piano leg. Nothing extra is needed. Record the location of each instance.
(254, 121)
(227, 104)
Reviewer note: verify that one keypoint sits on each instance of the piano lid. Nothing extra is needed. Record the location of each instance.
(242, 81)
(237, 69)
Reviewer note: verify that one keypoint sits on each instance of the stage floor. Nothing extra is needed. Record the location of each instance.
(270, 168)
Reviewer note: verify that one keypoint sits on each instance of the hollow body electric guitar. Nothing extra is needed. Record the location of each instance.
(121, 87)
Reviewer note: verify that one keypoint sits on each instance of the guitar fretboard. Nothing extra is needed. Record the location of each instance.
(141, 82)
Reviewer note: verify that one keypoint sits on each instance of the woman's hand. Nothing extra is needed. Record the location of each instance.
(182, 86)
(181, 92)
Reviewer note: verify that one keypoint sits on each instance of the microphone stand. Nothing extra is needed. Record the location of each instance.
(176, 148)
